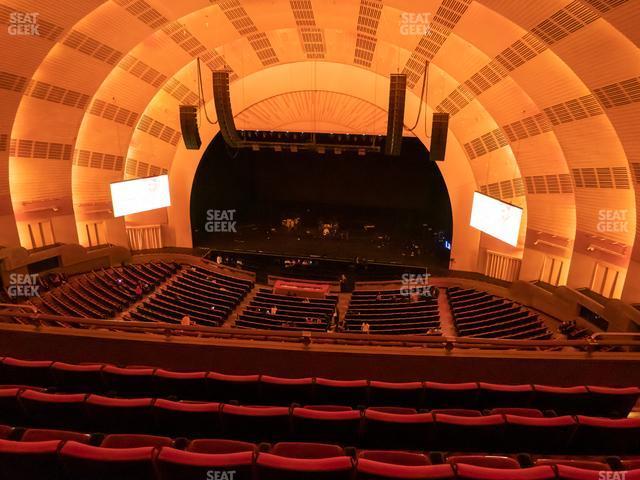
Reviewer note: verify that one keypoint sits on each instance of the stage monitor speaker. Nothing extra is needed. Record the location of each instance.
(439, 130)
(189, 127)
(222, 100)
(395, 120)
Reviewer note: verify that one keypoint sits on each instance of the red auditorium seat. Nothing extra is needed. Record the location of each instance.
(406, 394)
(72, 378)
(544, 435)
(395, 457)
(181, 385)
(126, 440)
(119, 415)
(630, 463)
(341, 392)
(224, 388)
(129, 382)
(566, 472)
(489, 461)
(220, 446)
(494, 395)
(460, 412)
(594, 435)
(83, 462)
(398, 410)
(310, 461)
(611, 402)
(562, 400)
(49, 410)
(329, 408)
(468, 433)
(341, 426)
(451, 395)
(584, 464)
(14, 371)
(6, 432)
(284, 391)
(173, 464)
(376, 470)
(522, 412)
(10, 411)
(29, 460)
(255, 423)
(383, 430)
(187, 419)
(474, 472)
(42, 435)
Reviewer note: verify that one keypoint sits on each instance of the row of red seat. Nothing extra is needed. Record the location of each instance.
(65, 456)
(375, 427)
(264, 389)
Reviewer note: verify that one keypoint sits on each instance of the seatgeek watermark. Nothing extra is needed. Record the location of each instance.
(221, 221)
(221, 474)
(23, 24)
(415, 23)
(415, 284)
(23, 285)
(609, 475)
(613, 220)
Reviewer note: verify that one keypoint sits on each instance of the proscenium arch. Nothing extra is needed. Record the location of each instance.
(518, 14)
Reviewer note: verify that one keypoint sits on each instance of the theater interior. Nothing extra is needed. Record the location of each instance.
(320, 239)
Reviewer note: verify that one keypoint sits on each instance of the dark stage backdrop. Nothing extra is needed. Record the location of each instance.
(404, 197)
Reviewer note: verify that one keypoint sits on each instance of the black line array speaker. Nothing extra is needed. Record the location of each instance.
(395, 119)
(189, 127)
(439, 130)
(222, 100)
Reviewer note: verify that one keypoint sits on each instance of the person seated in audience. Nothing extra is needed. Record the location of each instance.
(274, 310)
(306, 300)
(186, 321)
(379, 297)
(138, 291)
(364, 327)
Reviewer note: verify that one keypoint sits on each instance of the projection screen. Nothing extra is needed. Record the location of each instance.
(140, 195)
(496, 218)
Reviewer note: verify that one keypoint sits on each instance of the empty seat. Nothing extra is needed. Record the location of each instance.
(611, 402)
(382, 430)
(127, 440)
(224, 388)
(284, 391)
(77, 378)
(333, 426)
(187, 419)
(544, 435)
(474, 472)
(341, 392)
(460, 412)
(369, 469)
(42, 435)
(395, 457)
(64, 411)
(402, 394)
(522, 412)
(119, 415)
(310, 461)
(562, 400)
(173, 464)
(595, 435)
(29, 460)
(490, 461)
(181, 385)
(6, 432)
(494, 395)
(14, 371)
(451, 395)
(129, 382)
(255, 423)
(468, 433)
(210, 445)
(82, 462)
(584, 464)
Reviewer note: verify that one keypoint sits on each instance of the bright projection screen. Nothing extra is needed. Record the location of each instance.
(498, 219)
(140, 195)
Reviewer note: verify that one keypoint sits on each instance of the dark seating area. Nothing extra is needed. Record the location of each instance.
(480, 314)
(103, 293)
(281, 312)
(391, 312)
(206, 296)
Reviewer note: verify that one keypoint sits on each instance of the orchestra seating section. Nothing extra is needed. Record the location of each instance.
(81, 421)
(102, 293)
(390, 312)
(271, 311)
(206, 296)
(480, 314)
